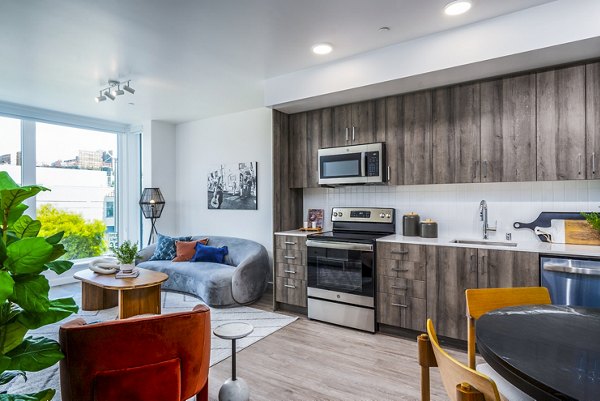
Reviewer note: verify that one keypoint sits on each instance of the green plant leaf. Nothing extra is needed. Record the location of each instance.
(57, 251)
(28, 255)
(10, 375)
(6, 182)
(11, 197)
(4, 363)
(26, 227)
(16, 212)
(35, 354)
(13, 334)
(31, 293)
(7, 285)
(45, 395)
(3, 254)
(55, 238)
(59, 266)
(59, 310)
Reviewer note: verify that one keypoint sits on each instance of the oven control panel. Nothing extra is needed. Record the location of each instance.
(364, 215)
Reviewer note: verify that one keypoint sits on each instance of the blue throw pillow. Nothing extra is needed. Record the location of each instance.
(205, 253)
(165, 247)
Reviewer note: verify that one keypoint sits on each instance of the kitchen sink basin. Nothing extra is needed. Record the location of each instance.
(483, 242)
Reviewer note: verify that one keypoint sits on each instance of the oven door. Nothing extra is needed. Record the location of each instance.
(341, 267)
(342, 166)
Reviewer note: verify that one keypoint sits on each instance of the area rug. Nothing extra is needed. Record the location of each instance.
(264, 323)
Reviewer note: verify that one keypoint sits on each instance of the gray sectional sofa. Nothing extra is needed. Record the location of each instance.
(242, 280)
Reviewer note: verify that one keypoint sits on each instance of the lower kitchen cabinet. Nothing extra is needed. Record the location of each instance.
(290, 291)
(450, 271)
(401, 311)
(289, 284)
(507, 269)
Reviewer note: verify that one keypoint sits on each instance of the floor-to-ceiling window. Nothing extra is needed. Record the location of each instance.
(10, 147)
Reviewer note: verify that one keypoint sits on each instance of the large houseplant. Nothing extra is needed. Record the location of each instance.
(24, 301)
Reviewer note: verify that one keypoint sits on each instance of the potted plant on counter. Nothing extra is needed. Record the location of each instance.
(24, 301)
(125, 254)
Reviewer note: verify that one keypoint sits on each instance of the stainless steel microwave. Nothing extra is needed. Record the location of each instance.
(357, 164)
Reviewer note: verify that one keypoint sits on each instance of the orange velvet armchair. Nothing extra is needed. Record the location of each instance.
(158, 358)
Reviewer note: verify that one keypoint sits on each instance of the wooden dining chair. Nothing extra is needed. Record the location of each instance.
(461, 382)
(483, 300)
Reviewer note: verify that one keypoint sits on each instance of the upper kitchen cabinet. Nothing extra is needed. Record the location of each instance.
(418, 139)
(353, 124)
(456, 134)
(388, 129)
(298, 150)
(561, 124)
(592, 119)
(319, 135)
(508, 129)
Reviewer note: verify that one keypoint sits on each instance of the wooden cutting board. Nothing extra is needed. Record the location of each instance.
(580, 232)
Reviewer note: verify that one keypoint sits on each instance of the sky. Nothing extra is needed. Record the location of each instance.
(54, 142)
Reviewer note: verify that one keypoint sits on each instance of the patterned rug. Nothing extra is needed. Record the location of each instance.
(264, 323)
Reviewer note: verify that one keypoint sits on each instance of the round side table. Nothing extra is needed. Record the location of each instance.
(234, 388)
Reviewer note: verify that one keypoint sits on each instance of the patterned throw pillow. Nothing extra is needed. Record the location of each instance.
(187, 249)
(165, 247)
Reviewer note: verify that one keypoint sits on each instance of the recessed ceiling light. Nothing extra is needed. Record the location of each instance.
(384, 29)
(457, 7)
(322, 48)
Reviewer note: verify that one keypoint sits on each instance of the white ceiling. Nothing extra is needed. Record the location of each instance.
(190, 59)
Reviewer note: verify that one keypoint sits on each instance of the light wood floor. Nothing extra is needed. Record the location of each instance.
(309, 360)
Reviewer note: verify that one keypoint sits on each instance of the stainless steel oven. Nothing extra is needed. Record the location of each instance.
(357, 164)
(341, 267)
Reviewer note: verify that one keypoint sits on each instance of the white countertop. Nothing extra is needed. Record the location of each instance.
(296, 233)
(533, 246)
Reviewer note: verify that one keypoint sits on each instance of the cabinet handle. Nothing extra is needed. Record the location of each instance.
(353, 133)
(593, 163)
(389, 172)
(289, 271)
(579, 172)
(397, 269)
(397, 287)
(289, 257)
(399, 305)
(485, 163)
(399, 252)
(290, 243)
(289, 286)
(346, 134)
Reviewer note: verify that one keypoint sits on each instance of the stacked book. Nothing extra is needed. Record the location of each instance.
(127, 274)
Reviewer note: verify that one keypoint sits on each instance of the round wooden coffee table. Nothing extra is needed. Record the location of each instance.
(134, 296)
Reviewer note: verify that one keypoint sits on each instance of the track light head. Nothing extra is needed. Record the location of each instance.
(100, 98)
(118, 91)
(109, 95)
(129, 88)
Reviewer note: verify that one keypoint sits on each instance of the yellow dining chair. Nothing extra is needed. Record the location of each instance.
(461, 382)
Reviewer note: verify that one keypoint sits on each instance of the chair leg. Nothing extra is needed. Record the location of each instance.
(203, 394)
(426, 360)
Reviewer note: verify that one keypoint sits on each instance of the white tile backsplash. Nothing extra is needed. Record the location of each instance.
(456, 206)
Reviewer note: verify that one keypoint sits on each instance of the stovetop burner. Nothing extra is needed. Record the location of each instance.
(346, 236)
(358, 225)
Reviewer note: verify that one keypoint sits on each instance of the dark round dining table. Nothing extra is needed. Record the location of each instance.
(550, 352)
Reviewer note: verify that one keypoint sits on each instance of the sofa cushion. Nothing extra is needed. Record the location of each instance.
(187, 249)
(165, 247)
(212, 254)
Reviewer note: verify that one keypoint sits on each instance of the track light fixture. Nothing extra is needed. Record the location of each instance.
(113, 90)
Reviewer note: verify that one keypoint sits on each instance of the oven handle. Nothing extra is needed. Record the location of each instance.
(340, 245)
(571, 269)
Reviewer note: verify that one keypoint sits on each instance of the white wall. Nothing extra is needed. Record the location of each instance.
(158, 171)
(456, 206)
(244, 136)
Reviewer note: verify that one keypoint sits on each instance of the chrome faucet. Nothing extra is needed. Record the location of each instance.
(483, 214)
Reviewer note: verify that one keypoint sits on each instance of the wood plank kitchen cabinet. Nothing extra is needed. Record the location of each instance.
(508, 129)
(353, 124)
(298, 149)
(394, 138)
(450, 271)
(499, 268)
(319, 135)
(561, 124)
(290, 271)
(592, 120)
(456, 134)
(418, 139)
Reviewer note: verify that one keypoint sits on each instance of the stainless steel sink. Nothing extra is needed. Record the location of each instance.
(482, 242)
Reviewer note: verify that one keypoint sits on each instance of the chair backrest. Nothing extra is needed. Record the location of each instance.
(163, 357)
(483, 300)
(458, 378)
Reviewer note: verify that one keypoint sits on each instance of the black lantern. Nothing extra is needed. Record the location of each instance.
(152, 204)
